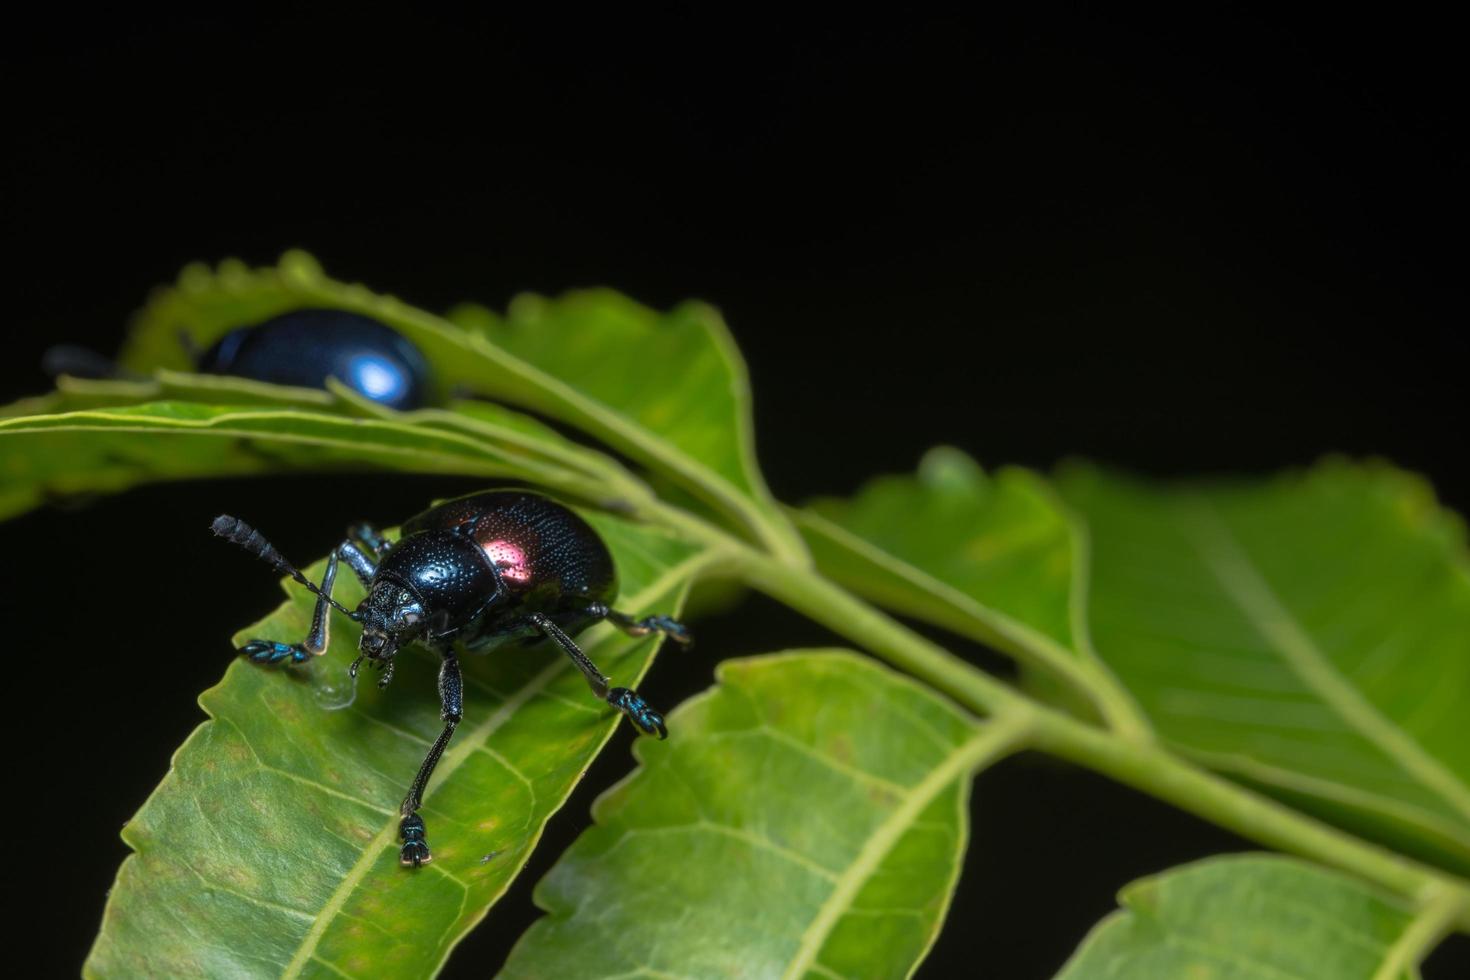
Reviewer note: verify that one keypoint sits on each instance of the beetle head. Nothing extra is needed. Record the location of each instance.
(391, 617)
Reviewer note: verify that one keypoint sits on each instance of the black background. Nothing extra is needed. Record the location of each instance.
(1223, 243)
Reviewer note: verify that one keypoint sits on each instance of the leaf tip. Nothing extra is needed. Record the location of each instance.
(300, 267)
(526, 308)
(950, 468)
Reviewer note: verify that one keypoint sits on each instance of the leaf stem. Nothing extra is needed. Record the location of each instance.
(1142, 765)
(1081, 670)
(1168, 777)
(834, 607)
(1435, 919)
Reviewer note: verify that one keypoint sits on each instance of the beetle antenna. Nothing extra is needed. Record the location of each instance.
(237, 532)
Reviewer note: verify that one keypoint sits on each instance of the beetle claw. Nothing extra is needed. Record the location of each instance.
(414, 854)
(675, 630)
(415, 850)
(638, 711)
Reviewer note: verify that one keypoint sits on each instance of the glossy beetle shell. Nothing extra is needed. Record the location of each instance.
(305, 347)
(548, 558)
(447, 572)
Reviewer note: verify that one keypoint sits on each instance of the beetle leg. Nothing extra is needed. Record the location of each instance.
(351, 551)
(387, 675)
(271, 652)
(365, 535)
(415, 850)
(666, 625)
(625, 700)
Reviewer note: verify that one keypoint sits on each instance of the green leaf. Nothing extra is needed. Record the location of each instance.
(808, 820)
(165, 385)
(995, 558)
(269, 849)
(110, 447)
(668, 390)
(1308, 634)
(1258, 917)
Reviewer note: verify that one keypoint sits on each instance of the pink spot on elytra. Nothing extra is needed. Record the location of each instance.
(509, 558)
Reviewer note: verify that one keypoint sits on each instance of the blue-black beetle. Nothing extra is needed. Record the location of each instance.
(302, 348)
(305, 347)
(467, 573)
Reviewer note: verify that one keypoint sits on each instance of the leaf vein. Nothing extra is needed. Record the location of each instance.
(511, 768)
(320, 961)
(810, 752)
(755, 840)
(988, 741)
(1242, 581)
(296, 777)
(264, 903)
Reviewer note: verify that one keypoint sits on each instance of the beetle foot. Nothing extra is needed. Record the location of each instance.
(671, 628)
(270, 652)
(638, 711)
(415, 850)
(666, 625)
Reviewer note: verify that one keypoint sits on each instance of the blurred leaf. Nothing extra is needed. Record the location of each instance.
(166, 385)
(809, 820)
(109, 448)
(994, 558)
(1309, 634)
(270, 847)
(669, 390)
(1256, 916)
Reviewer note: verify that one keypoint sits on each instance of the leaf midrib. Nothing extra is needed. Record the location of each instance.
(991, 739)
(267, 436)
(476, 461)
(1221, 553)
